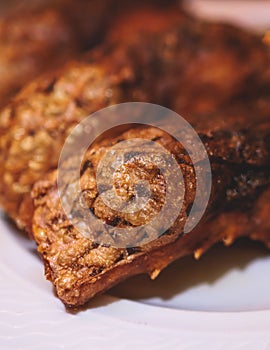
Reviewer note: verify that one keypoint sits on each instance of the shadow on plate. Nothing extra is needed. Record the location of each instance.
(188, 273)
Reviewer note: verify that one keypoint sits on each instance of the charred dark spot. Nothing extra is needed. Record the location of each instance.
(156, 138)
(49, 88)
(126, 223)
(114, 221)
(95, 271)
(95, 245)
(86, 165)
(79, 103)
(119, 258)
(188, 209)
(133, 250)
(92, 210)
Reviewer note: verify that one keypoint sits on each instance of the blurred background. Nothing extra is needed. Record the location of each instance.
(248, 13)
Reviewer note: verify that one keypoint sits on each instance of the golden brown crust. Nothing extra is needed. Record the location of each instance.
(33, 128)
(219, 65)
(80, 267)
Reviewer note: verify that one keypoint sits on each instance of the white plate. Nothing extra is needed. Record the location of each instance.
(254, 14)
(222, 302)
(31, 317)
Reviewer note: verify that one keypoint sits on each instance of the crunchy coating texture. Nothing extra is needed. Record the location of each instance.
(138, 67)
(34, 126)
(170, 61)
(45, 113)
(80, 268)
(35, 38)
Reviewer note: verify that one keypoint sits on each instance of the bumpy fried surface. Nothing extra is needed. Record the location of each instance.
(80, 267)
(35, 38)
(154, 64)
(216, 76)
(34, 126)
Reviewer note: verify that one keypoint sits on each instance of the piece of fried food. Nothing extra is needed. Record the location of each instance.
(80, 267)
(216, 76)
(167, 57)
(36, 37)
(34, 126)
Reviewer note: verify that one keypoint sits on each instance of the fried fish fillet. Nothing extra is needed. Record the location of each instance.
(166, 58)
(81, 267)
(215, 75)
(34, 126)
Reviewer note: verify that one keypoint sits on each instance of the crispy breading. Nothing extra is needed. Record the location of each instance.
(215, 75)
(81, 267)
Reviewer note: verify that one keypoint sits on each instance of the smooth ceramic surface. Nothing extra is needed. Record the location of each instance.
(31, 316)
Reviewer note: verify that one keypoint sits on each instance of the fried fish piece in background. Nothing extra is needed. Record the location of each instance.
(38, 36)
